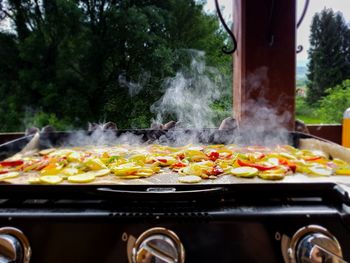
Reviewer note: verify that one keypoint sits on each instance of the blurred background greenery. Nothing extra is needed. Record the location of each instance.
(69, 62)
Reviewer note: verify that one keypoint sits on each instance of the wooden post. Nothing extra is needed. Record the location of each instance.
(264, 63)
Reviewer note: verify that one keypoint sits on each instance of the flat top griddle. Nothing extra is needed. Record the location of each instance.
(165, 185)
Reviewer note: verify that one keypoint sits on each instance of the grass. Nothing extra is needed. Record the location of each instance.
(310, 120)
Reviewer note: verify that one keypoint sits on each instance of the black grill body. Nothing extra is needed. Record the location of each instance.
(216, 223)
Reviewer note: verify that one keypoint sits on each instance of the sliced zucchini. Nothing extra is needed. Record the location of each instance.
(245, 171)
(9, 175)
(81, 178)
(191, 179)
(50, 179)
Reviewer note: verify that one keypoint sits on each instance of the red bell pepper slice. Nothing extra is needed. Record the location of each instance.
(11, 163)
(213, 156)
(313, 158)
(291, 166)
(215, 171)
(4, 172)
(181, 156)
(178, 165)
(257, 166)
(162, 160)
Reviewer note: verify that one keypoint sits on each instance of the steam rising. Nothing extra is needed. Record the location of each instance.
(134, 88)
(102, 137)
(263, 125)
(188, 99)
(189, 95)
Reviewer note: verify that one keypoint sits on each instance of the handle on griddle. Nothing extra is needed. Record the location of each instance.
(164, 192)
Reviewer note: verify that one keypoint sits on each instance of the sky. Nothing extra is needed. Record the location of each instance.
(304, 29)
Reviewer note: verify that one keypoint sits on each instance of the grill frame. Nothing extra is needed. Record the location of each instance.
(57, 215)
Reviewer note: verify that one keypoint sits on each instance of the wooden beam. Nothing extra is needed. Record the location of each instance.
(264, 63)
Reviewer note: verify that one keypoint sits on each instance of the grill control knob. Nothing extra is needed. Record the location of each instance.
(14, 246)
(158, 245)
(314, 244)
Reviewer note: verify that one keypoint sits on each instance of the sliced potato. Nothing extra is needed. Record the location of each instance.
(189, 179)
(81, 178)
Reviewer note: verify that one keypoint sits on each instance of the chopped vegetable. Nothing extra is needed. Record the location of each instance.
(189, 179)
(81, 178)
(11, 163)
(256, 165)
(9, 175)
(190, 163)
(50, 179)
(244, 171)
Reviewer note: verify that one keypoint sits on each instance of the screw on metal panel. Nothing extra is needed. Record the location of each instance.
(278, 236)
(125, 237)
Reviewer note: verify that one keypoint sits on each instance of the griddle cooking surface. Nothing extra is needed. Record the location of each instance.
(171, 178)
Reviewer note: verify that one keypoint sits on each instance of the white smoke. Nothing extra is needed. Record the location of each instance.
(134, 88)
(263, 125)
(189, 95)
(102, 137)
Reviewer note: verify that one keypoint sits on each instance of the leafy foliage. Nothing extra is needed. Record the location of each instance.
(329, 54)
(337, 100)
(69, 62)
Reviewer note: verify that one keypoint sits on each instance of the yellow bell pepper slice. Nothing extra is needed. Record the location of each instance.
(95, 164)
(343, 171)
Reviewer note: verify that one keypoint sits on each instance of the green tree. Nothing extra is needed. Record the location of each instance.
(336, 101)
(329, 53)
(75, 61)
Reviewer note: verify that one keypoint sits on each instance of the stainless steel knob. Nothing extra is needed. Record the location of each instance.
(14, 246)
(158, 245)
(315, 244)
